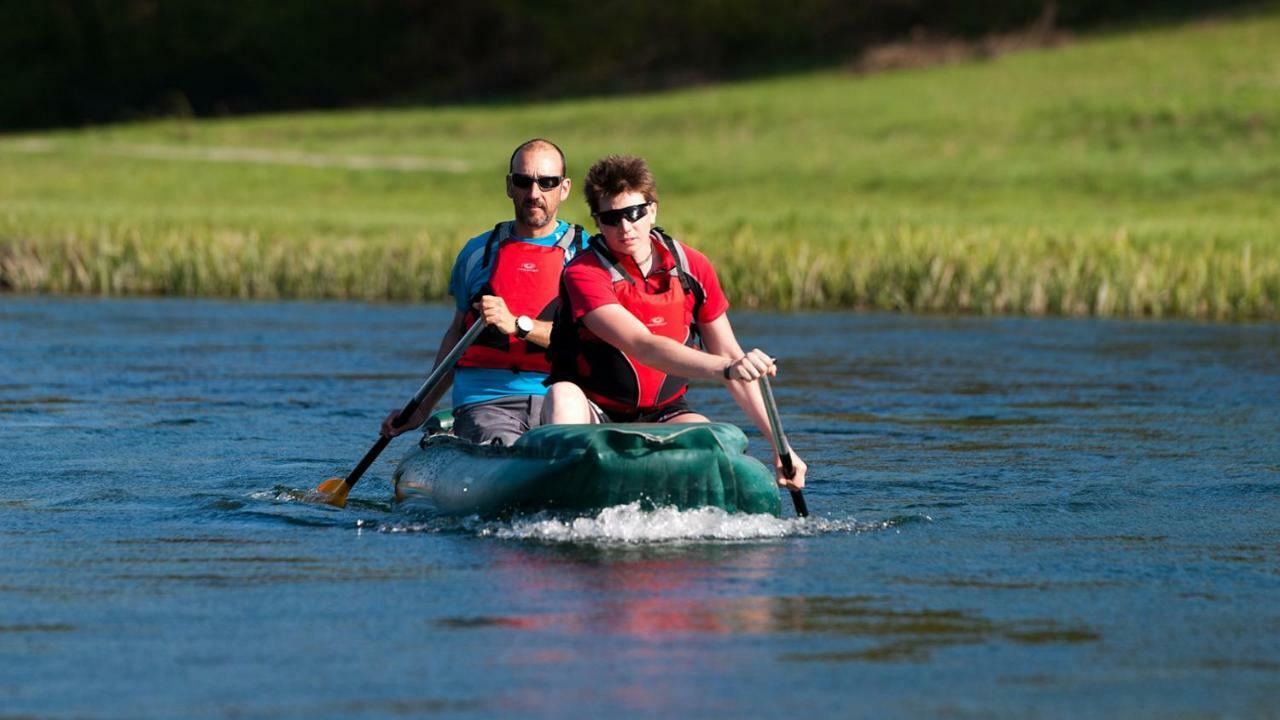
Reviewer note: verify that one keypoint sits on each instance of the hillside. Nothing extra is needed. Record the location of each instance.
(1132, 174)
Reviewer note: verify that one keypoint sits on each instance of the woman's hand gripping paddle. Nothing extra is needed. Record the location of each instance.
(780, 444)
(334, 490)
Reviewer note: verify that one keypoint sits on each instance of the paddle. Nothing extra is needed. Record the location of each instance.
(781, 445)
(334, 490)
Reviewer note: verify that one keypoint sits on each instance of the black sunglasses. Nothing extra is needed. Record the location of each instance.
(524, 182)
(632, 214)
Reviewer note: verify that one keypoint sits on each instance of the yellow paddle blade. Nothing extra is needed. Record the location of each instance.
(332, 491)
(329, 486)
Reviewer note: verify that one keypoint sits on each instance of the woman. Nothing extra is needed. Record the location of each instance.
(633, 308)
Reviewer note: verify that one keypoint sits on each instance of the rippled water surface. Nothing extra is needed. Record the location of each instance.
(1011, 517)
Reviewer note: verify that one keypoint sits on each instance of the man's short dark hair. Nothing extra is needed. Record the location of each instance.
(564, 166)
(617, 174)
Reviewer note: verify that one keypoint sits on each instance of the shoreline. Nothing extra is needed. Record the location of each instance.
(902, 271)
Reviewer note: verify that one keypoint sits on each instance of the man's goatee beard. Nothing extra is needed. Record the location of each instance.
(527, 218)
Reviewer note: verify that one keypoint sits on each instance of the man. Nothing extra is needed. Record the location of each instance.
(632, 310)
(510, 278)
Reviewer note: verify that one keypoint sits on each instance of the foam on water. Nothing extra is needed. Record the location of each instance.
(631, 524)
(634, 524)
(282, 494)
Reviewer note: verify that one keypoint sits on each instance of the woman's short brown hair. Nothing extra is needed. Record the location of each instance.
(618, 174)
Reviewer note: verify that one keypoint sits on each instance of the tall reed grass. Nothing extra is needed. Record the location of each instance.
(927, 271)
(902, 269)
(116, 260)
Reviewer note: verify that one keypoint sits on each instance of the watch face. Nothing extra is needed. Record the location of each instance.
(524, 324)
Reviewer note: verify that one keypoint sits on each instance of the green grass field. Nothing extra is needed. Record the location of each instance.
(1131, 174)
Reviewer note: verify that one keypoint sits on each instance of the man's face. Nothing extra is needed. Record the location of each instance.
(535, 207)
(621, 235)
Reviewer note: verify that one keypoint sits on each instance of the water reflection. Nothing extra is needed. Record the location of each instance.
(652, 595)
(40, 628)
(891, 634)
(871, 627)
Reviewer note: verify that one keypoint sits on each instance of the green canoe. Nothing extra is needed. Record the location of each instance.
(583, 468)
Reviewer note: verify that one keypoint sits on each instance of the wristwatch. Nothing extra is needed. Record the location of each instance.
(524, 326)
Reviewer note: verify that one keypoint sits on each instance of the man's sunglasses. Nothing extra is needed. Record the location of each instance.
(632, 214)
(546, 182)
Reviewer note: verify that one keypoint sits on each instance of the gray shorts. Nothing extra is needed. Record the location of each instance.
(498, 422)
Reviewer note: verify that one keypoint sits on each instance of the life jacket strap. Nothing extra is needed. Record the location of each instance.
(567, 238)
(501, 232)
(617, 273)
(687, 282)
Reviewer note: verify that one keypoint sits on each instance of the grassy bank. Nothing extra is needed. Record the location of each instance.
(1135, 174)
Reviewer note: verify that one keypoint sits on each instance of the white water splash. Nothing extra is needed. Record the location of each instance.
(282, 494)
(619, 525)
(630, 524)
(279, 494)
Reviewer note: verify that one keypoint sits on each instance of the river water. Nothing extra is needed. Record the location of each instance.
(1011, 517)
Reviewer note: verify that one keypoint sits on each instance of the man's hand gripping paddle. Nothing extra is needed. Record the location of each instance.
(334, 490)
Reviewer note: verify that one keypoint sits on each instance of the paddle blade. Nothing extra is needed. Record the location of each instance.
(332, 491)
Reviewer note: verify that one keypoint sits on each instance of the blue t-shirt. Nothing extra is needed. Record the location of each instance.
(469, 275)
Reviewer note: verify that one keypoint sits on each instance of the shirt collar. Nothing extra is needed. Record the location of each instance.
(562, 227)
(662, 260)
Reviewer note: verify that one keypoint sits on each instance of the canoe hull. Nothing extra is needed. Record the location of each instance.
(583, 468)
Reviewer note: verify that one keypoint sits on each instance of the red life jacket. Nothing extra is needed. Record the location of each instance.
(612, 379)
(527, 277)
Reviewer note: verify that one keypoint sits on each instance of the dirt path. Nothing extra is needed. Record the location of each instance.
(264, 156)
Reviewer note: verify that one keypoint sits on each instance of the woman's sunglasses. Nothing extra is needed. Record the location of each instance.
(632, 214)
(524, 182)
